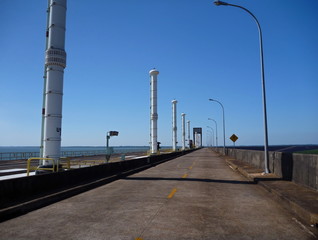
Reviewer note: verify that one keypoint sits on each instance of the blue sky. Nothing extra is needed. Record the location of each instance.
(201, 51)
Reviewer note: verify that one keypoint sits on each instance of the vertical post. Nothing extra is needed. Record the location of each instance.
(188, 122)
(174, 125)
(216, 131)
(153, 111)
(107, 140)
(223, 129)
(183, 130)
(266, 155)
(223, 122)
(55, 62)
(107, 156)
(109, 151)
(212, 135)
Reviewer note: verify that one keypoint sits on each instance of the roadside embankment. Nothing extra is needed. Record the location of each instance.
(298, 198)
(299, 168)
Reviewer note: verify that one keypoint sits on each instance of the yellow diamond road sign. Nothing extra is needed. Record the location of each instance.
(234, 138)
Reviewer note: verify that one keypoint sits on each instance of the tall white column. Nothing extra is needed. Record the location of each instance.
(174, 125)
(188, 122)
(183, 130)
(153, 111)
(55, 62)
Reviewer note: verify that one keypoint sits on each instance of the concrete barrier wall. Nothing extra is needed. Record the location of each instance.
(13, 191)
(300, 168)
(305, 169)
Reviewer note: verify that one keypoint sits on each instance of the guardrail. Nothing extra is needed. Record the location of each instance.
(85, 163)
(18, 155)
(34, 168)
(27, 155)
(66, 164)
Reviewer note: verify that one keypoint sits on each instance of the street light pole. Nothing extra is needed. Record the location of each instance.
(109, 150)
(216, 131)
(207, 138)
(223, 122)
(212, 134)
(218, 3)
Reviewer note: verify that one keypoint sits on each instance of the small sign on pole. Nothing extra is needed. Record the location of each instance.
(234, 138)
(113, 133)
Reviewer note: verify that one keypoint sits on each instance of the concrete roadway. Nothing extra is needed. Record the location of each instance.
(196, 196)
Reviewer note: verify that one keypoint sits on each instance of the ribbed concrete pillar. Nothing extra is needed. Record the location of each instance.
(55, 62)
(174, 125)
(183, 131)
(153, 111)
(188, 122)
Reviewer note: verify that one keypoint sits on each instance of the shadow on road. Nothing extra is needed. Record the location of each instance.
(188, 180)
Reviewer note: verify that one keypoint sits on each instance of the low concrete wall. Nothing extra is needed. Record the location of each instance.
(19, 190)
(299, 168)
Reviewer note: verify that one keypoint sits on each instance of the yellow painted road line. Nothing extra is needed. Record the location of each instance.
(185, 175)
(138, 238)
(192, 165)
(172, 193)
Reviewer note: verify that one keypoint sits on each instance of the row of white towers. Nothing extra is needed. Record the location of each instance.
(55, 63)
(154, 118)
(174, 128)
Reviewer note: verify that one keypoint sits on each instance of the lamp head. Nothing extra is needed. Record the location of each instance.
(218, 3)
(211, 99)
(113, 133)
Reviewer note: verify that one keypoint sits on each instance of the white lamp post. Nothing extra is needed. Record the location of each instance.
(219, 3)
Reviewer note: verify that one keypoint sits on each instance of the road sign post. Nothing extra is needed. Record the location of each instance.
(234, 139)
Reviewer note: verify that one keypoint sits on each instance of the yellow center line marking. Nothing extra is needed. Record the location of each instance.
(172, 193)
(138, 238)
(192, 165)
(185, 175)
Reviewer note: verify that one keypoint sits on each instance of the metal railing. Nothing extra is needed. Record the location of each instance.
(34, 168)
(27, 155)
(18, 155)
(65, 163)
(82, 153)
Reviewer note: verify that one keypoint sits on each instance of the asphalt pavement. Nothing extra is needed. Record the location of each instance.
(196, 196)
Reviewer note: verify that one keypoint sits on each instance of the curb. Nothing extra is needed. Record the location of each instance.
(256, 175)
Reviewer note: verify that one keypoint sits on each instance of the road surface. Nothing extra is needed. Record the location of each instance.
(196, 196)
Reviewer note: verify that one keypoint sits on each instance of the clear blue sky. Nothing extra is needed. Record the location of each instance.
(201, 51)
